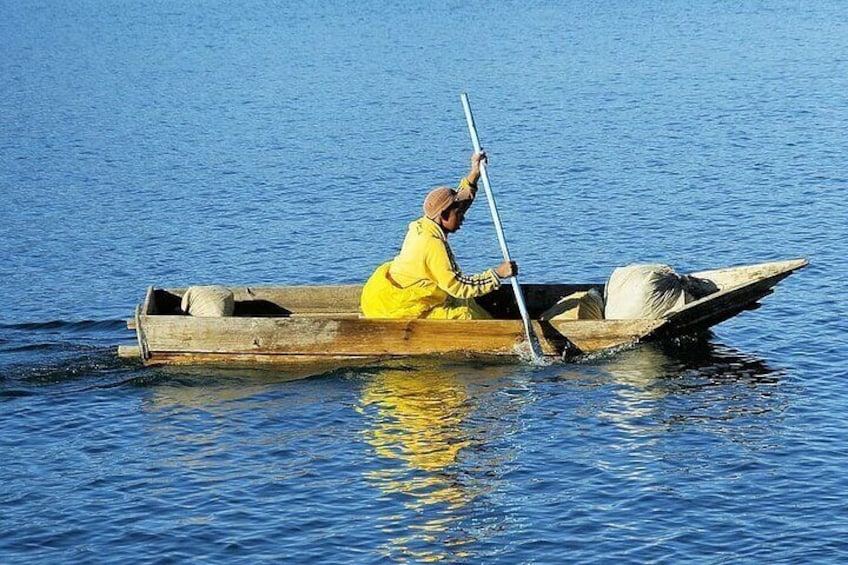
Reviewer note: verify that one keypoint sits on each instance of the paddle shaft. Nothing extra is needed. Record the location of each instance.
(493, 208)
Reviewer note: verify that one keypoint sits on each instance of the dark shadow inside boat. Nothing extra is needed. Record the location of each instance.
(168, 303)
(165, 303)
(501, 303)
(260, 309)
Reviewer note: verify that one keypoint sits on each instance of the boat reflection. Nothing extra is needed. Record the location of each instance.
(427, 426)
(219, 389)
(699, 382)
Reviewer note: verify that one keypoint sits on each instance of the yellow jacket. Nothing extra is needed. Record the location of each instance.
(424, 280)
(426, 260)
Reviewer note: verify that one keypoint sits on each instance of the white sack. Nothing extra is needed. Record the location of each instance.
(588, 305)
(208, 301)
(643, 292)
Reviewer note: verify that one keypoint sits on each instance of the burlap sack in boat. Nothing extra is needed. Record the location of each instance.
(643, 292)
(208, 301)
(581, 305)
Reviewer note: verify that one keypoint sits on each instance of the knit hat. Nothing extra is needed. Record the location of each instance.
(438, 200)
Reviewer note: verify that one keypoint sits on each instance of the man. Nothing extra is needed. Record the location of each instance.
(424, 281)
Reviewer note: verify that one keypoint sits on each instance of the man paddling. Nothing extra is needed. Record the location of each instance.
(423, 280)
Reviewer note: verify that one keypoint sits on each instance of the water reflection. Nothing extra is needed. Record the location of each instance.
(703, 383)
(207, 418)
(218, 389)
(427, 425)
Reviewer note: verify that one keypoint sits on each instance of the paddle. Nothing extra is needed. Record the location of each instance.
(493, 208)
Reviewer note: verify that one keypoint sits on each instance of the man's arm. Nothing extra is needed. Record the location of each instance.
(467, 189)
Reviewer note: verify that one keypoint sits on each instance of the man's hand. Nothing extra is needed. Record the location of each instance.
(474, 174)
(477, 158)
(507, 269)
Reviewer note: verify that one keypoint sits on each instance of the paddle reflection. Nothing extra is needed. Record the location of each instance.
(421, 425)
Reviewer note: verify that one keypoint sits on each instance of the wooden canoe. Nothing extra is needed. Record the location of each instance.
(294, 324)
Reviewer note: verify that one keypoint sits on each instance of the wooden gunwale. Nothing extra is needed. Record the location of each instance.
(738, 295)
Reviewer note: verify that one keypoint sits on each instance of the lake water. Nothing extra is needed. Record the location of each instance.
(156, 143)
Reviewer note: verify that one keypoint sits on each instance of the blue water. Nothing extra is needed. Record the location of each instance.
(178, 143)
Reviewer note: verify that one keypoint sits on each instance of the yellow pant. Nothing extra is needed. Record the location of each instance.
(459, 309)
(383, 298)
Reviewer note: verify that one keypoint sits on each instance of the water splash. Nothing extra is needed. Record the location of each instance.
(526, 355)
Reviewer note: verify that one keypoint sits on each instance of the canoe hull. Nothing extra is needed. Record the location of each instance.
(183, 339)
(296, 325)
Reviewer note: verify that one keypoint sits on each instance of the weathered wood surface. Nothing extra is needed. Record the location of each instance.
(740, 289)
(325, 362)
(279, 301)
(129, 351)
(322, 336)
(258, 338)
(590, 336)
(768, 273)
(312, 323)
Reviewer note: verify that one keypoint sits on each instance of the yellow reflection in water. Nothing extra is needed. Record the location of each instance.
(418, 418)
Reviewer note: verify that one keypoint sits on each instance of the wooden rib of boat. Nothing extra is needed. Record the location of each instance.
(291, 324)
